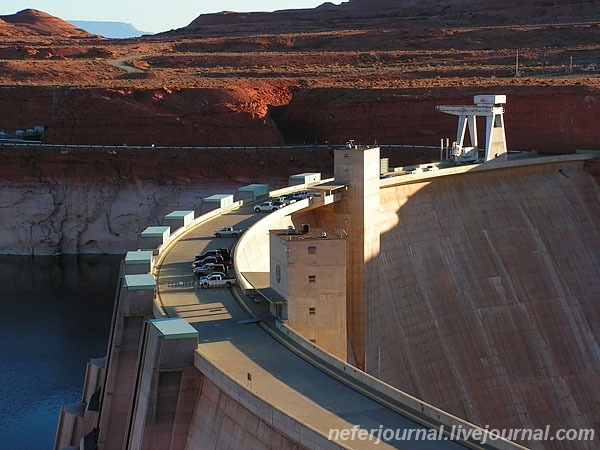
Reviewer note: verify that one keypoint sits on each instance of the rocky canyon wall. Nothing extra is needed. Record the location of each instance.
(544, 119)
(98, 201)
(547, 119)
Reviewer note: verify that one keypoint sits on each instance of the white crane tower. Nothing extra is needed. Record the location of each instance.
(490, 107)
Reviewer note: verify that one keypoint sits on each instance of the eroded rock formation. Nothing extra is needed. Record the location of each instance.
(261, 116)
(99, 200)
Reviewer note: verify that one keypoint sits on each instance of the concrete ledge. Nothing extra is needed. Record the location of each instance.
(499, 165)
(281, 421)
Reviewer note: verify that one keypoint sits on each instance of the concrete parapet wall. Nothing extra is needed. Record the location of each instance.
(498, 165)
(295, 188)
(251, 253)
(229, 415)
(395, 398)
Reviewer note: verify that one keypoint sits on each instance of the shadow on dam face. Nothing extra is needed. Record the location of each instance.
(486, 300)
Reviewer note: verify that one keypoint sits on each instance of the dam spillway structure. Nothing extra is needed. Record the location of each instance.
(490, 107)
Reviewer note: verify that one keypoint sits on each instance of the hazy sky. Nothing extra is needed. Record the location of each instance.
(149, 15)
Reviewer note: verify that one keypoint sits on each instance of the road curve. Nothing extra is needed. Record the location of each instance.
(122, 63)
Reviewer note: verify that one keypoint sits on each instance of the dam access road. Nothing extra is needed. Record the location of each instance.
(240, 349)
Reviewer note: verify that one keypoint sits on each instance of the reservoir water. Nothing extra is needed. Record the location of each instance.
(55, 316)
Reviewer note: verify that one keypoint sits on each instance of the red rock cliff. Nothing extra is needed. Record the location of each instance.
(547, 119)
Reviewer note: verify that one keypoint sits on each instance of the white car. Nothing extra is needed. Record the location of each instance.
(228, 231)
(216, 279)
(288, 199)
(267, 206)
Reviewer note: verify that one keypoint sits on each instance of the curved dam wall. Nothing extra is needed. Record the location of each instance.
(220, 420)
(155, 388)
(487, 297)
(229, 415)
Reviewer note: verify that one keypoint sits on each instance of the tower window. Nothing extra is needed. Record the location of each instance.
(312, 311)
(312, 278)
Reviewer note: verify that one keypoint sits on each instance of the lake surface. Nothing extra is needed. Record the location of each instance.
(55, 317)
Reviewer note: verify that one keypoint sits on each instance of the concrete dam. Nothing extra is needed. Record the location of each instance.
(470, 301)
(489, 286)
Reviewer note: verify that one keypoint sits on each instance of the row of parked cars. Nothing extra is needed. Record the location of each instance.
(280, 202)
(212, 266)
(217, 260)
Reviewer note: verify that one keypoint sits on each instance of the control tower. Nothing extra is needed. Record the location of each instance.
(488, 106)
(358, 215)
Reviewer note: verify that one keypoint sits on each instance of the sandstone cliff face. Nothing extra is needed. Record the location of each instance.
(209, 117)
(368, 70)
(547, 119)
(98, 201)
(408, 116)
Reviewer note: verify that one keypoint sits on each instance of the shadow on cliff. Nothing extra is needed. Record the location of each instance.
(409, 116)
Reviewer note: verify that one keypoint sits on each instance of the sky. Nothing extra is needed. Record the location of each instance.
(150, 15)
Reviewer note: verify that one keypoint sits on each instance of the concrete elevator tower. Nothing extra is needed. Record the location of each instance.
(357, 214)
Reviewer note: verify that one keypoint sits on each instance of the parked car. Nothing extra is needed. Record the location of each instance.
(228, 231)
(288, 199)
(209, 268)
(217, 279)
(297, 196)
(211, 259)
(268, 206)
(223, 252)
